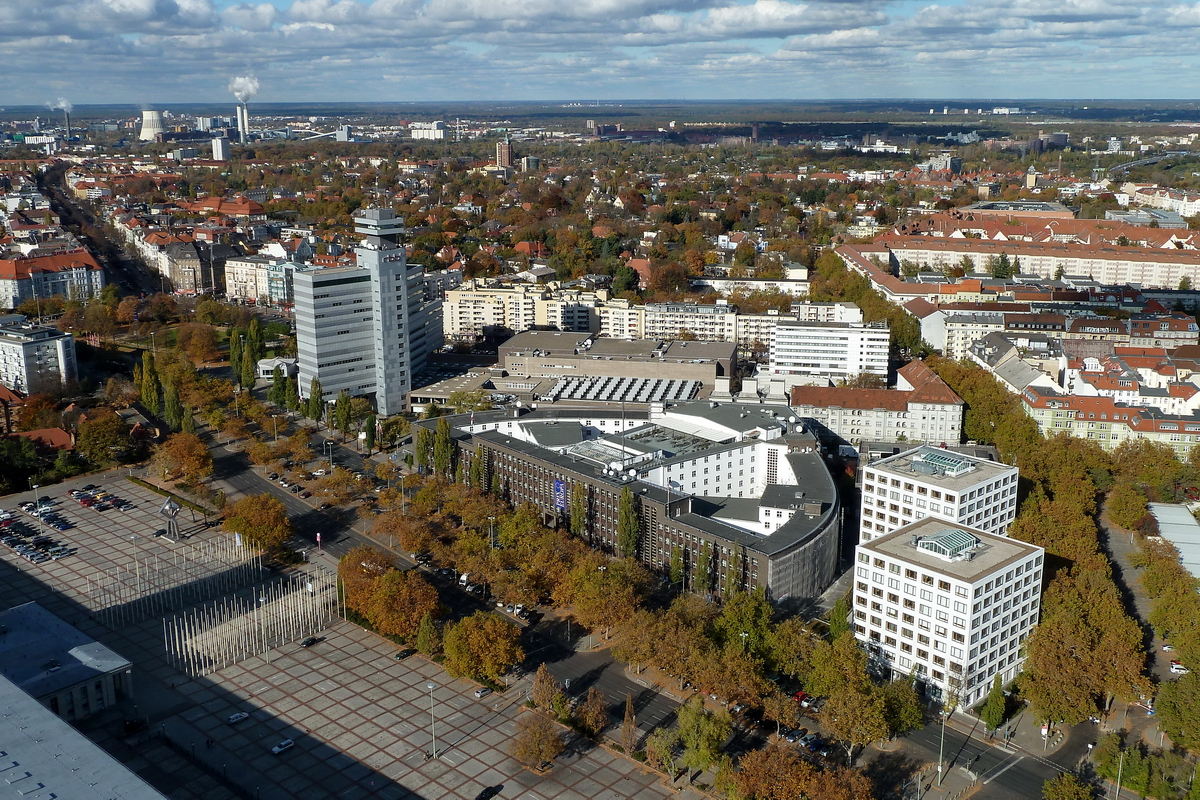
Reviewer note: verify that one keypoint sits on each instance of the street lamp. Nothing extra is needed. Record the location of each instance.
(492, 532)
(432, 720)
(328, 447)
(744, 636)
(403, 486)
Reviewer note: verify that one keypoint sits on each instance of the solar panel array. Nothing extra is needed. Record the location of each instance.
(629, 390)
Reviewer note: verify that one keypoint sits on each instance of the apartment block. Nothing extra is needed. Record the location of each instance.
(932, 482)
(620, 319)
(35, 358)
(949, 604)
(710, 323)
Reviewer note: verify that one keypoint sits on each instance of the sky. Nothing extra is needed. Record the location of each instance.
(162, 51)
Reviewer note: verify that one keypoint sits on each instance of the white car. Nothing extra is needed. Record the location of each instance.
(319, 473)
(1178, 668)
(238, 717)
(283, 747)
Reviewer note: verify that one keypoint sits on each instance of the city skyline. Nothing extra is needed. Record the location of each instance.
(154, 51)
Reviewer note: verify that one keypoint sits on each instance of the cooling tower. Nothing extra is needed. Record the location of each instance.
(152, 124)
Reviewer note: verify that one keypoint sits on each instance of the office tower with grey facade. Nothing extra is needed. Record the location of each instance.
(367, 329)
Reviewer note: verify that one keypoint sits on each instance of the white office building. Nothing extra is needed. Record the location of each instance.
(949, 604)
(708, 323)
(366, 329)
(428, 130)
(829, 349)
(932, 482)
(35, 358)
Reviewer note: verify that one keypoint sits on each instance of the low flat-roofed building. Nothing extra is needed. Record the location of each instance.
(947, 603)
(1177, 525)
(58, 665)
(744, 484)
(45, 757)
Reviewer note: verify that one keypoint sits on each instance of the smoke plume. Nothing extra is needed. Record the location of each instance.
(61, 104)
(244, 87)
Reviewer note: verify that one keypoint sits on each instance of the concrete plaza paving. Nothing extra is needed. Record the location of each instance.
(360, 719)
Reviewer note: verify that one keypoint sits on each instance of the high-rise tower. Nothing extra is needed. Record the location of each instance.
(369, 328)
(504, 153)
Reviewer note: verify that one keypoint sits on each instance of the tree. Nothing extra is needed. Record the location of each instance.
(275, 392)
(993, 709)
(358, 572)
(676, 572)
(781, 709)
(262, 521)
(538, 740)
(593, 714)
(315, 407)
(1126, 505)
(660, 749)
(235, 354)
(629, 731)
(579, 522)
(150, 388)
(103, 439)
(901, 707)
(702, 579)
(628, 525)
(422, 448)
(837, 666)
(184, 455)
(839, 617)
(702, 733)
(482, 646)
(745, 622)
(1066, 786)
(369, 430)
(249, 372)
(792, 645)
(856, 717)
(173, 410)
(429, 638)
(1178, 708)
(443, 448)
(127, 309)
(399, 601)
(544, 688)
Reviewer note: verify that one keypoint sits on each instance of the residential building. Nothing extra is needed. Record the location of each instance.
(922, 408)
(366, 329)
(473, 312)
(73, 274)
(34, 358)
(220, 149)
(931, 482)
(709, 323)
(949, 604)
(830, 349)
(740, 486)
(247, 279)
(621, 319)
(963, 330)
(1108, 422)
(504, 153)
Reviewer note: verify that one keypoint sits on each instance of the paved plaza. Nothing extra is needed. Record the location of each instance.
(359, 718)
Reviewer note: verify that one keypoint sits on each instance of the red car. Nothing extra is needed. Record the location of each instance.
(799, 696)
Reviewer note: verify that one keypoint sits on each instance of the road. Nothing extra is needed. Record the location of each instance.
(338, 536)
(1004, 774)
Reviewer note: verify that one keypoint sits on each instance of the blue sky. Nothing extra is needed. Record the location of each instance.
(164, 51)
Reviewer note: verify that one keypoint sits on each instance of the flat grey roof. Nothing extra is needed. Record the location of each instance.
(44, 655)
(994, 552)
(65, 762)
(909, 463)
(1179, 527)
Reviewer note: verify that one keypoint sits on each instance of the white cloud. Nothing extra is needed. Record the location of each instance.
(493, 49)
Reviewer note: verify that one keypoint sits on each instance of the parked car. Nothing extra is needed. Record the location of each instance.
(1177, 668)
(1168, 648)
(482, 691)
(306, 494)
(233, 719)
(283, 747)
(309, 642)
(403, 654)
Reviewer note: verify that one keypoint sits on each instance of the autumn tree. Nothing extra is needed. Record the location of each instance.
(629, 730)
(544, 688)
(1066, 786)
(399, 601)
(1178, 709)
(593, 714)
(103, 439)
(537, 740)
(1126, 505)
(792, 645)
(782, 709)
(901, 706)
(856, 717)
(151, 388)
(429, 638)
(184, 455)
(481, 647)
(261, 519)
(841, 664)
(579, 521)
(358, 571)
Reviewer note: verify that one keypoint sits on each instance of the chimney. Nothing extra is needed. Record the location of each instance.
(67, 119)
